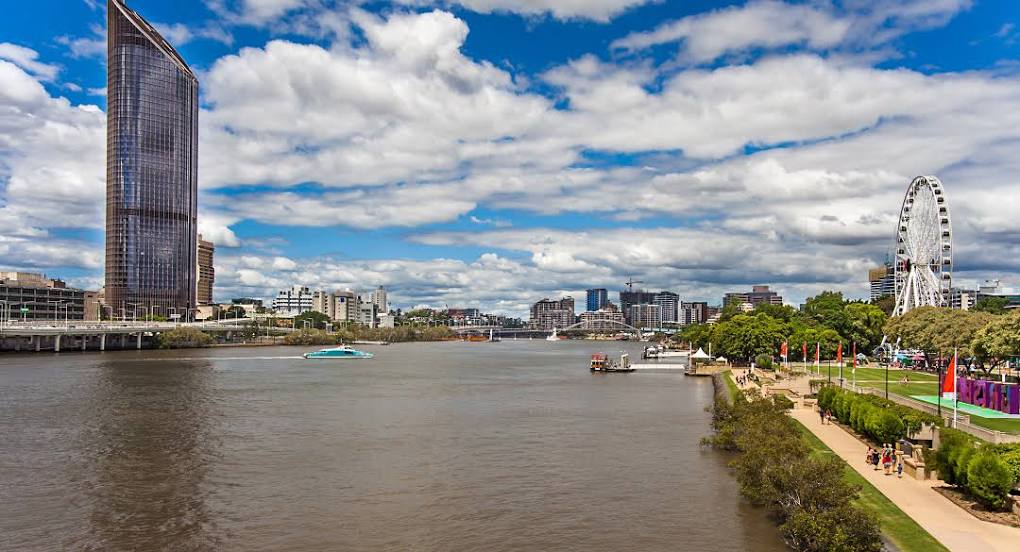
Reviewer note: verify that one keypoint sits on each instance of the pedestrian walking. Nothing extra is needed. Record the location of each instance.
(821, 415)
(899, 468)
(874, 459)
(886, 460)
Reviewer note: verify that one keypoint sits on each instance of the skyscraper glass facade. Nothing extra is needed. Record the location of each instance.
(151, 170)
(597, 298)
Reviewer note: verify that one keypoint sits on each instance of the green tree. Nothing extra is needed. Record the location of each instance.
(745, 336)
(864, 325)
(315, 319)
(887, 303)
(998, 341)
(991, 305)
(184, 338)
(937, 330)
(827, 308)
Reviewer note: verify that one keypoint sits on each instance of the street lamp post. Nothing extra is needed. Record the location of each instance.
(886, 381)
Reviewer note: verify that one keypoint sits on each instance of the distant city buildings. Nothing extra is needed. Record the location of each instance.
(882, 281)
(340, 305)
(549, 314)
(206, 271)
(597, 298)
(965, 299)
(757, 295)
(151, 170)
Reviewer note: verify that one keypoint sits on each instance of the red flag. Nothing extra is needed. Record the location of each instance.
(818, 352)
(855, 355)
(805, 351)
(784, 350)
(839, 353)
(949, 384)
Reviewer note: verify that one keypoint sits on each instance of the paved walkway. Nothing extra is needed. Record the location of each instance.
(947, 522)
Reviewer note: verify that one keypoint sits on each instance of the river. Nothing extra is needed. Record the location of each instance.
(428, 447)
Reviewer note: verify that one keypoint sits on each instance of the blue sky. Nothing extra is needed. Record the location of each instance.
(493, 152)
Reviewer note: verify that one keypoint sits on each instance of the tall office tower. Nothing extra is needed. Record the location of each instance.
(206, 271)
(382, 306)
(597, 298)
(151, 170)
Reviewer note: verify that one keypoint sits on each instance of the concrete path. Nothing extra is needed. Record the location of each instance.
(947, 522)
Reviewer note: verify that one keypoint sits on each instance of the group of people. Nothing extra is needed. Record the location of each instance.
(887, 457)
(825, 415)
(747, 377)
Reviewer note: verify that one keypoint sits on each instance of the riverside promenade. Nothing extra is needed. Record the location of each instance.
(954, 527)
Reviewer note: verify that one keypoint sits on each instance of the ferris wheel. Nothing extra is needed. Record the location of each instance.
(924, 247)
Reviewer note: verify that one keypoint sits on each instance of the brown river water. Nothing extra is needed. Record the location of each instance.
(427, 447)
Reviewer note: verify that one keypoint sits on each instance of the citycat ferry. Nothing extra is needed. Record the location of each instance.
(343, 351)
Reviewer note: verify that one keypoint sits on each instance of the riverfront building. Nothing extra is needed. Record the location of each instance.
(548, 314)
(151, 169)
(596, 299)
(32, 296)
(206, 271)
(607, 318)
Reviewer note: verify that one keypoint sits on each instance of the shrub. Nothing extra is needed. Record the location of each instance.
(764, 362)
(960, 461)
(1010, 454)
(184, 338)
(310, 337)
(989, 479)
(886, 426)
(844, 529)
(952, 441)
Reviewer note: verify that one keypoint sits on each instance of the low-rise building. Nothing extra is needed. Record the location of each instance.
(604, 319)
(757, 295)
(33, 296)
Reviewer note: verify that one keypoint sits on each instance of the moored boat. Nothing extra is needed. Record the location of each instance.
(600, 363)
(343, 351)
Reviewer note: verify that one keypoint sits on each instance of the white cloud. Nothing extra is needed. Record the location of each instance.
(772, 24)
(596, 10)
(28, 59)
(86, 46)
(762, 24)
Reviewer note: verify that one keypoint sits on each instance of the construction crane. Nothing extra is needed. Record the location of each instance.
(630, 283)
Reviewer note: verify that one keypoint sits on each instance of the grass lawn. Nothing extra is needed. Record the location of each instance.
(898, 527)
(734, 390)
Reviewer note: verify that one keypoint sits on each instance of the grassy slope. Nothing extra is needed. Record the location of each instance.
(898, 527)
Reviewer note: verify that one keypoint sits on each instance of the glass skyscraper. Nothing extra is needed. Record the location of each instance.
(151, 170)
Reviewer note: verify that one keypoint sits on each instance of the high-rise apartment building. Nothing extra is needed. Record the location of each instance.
(379, 300)
(597, 298)
(151, 169)
(882, 280)
(695, 312)
(646, 315)
(669, 304)
(206, 271)
(548, 314)
(630, 298)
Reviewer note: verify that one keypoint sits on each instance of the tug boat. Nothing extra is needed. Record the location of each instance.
(343, 351)
(600, 363)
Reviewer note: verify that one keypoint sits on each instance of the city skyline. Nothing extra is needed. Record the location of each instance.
(433, 149)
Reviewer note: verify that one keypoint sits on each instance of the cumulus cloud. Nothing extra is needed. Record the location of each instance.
(28, 59)
(596, 10)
